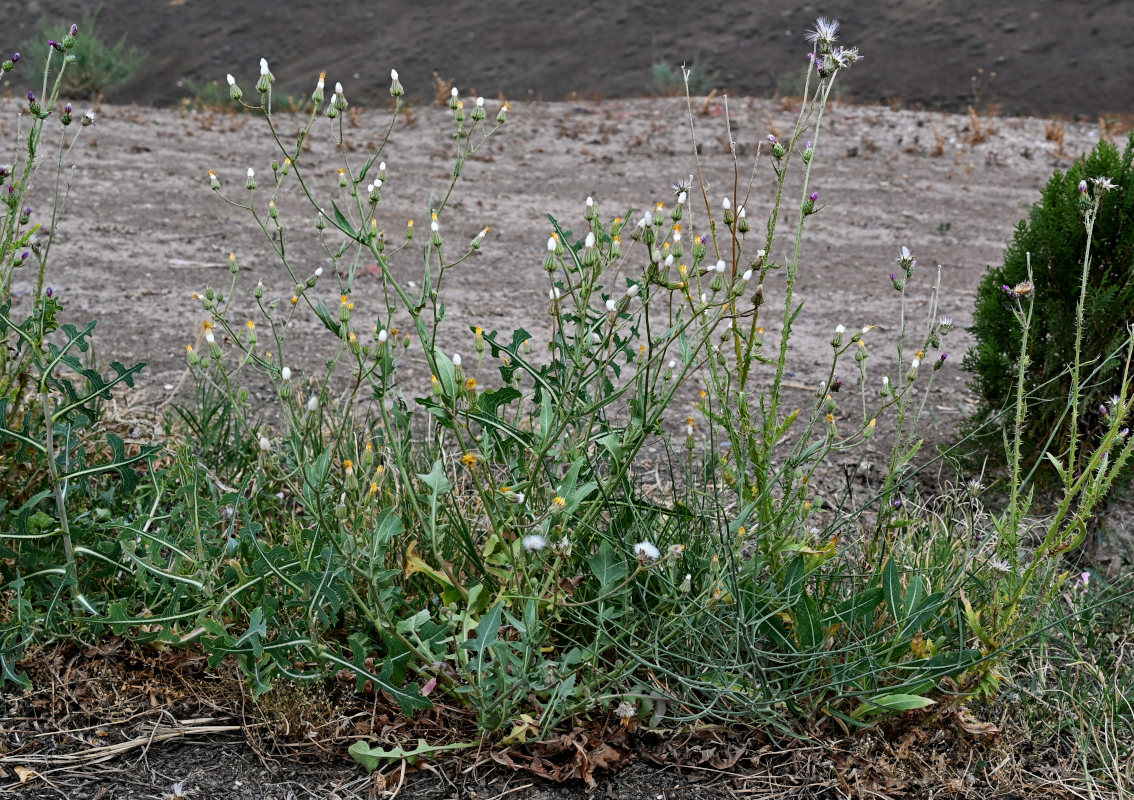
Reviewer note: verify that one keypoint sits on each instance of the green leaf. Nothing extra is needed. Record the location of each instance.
(330, 322)
(342, 223)
(890, 704)
(856, 607)
(435, 479)
(793, 582)
(373, 757)
(808, 625)
(607, 567)
(892, 589)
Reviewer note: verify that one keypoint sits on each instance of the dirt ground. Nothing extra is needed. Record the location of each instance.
(1068, 58)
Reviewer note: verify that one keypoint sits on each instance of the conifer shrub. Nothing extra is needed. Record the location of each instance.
(1054, 238)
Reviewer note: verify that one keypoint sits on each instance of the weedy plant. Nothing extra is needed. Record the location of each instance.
(98, 66)
(488, 536)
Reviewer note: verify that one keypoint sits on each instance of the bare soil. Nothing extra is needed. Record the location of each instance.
(1039, 58)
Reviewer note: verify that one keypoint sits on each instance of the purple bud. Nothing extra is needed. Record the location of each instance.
(15, 57)
(50, 292)
(1082, 187)
(11, 189)
(808, 147)
(772, 139)
(31, 97)
(25, 256)
(897, 502)
(1103, 411)
(74, 29)
(54, 45)
(813, 197)
(1124, 432)
(891, 276)
(67, 108)
(27, 211)
(944, 356)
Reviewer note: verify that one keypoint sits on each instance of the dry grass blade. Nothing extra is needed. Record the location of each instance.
(95, 755)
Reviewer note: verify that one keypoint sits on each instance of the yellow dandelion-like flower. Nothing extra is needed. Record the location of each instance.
(378, 470)
(196, 296)
(348, 465)
(741, 531)
(344, 299)
(409, 224)
(373, 487)
(617, 239)
(251, 325)
(659, 206)
(677, 228)
(830, 417)
(642, 348)
(505, 489)
(470, 384)
(690, 422)
(559, 502)
(873, 422)
(208, 325)
(920, 354)
(433, 216)
(479, 331)
(760, 330)
(469, 460)
(294, 299)
(342, 171)
(703, 394)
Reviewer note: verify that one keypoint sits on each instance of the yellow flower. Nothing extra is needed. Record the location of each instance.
(251, 325)
(348, 465)
(294, 299)
(559, 502)
(469, 460)
(373, 487)
(470, 384)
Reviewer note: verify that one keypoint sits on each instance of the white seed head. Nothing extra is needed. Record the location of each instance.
(590, 242)
(533, 543)
(393, 74)
(456, 359)
(746, 276)
(590, 202)
(681, 199)
(318, 272)
(263, 66)
(645, 551)
(210, 337)
(453, 92)
(720, 266)
(251, 172)
(265, 445)
(313, 403)
(285, 373)
(840, 328)
(338, 88)
(480, 102)
(231, 80)
(726, 204)
(383, 335)
(611, 305)
(551, 244)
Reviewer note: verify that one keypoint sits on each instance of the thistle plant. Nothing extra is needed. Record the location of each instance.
(488, 535)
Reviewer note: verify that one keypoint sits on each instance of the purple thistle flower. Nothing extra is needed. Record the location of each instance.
(944, 356)
(67, 108)
(11, 189)
(74, 29)
(772, 139)
(896, 503)
(808, 146)
(15, 57)
(54, 45)
(31, 96)
(50, 292)
(892, 276)
(1082, 187)
(813, 197)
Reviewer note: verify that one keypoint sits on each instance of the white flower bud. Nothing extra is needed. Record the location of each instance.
(453, 92)
(456, 359)
(551, 244)
(231, 80)
(285, 373)
(611, 305)
(251, 173)
(726, 204)
(720, 266)
(318, 272)
(263, 66)
(393, 74)
(840, 328)
(681, 199)
(590, 242)
(747, 276)
(383, 335)
(313, 403)
(265, 445)
(480, 102)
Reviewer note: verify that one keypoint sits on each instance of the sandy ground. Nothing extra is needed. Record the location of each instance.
(143, 231)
